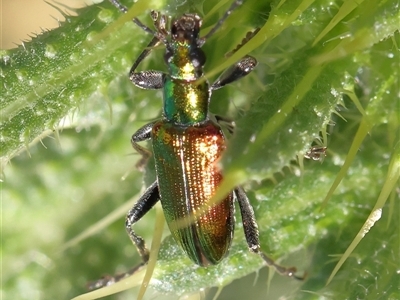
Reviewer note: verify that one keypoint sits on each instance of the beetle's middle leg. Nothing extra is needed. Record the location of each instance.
(143, 134)
(226, 123)
(252, 236)
(144, 204)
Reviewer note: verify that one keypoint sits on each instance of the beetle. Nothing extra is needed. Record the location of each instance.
(187, 144)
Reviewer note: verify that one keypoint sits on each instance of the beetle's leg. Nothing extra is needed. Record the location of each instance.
(235, 72)
(143, 134)
(123, 9)
(154, 42)
(233, 6)
(251, 233)
(225, 123)
(245, 40)
(240, 69)
(145, 79)
(144, 204)
(149, 80)
(118, 5)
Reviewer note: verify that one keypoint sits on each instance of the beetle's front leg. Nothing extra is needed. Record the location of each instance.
(144, 204)
(251, 233)
(148, 80)
(235, 72)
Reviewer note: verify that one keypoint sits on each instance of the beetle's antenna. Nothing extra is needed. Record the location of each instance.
(118, 5)
(245, 40)
(234, 5)
(123, 9)
(154, 42)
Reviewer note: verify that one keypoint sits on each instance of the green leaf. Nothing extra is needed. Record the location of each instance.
(52, 76)
(328, 72)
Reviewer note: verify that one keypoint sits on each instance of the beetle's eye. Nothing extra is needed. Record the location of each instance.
(198, 58)
(173, 29)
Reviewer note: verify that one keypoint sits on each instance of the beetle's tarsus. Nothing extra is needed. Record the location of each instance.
(109, 280)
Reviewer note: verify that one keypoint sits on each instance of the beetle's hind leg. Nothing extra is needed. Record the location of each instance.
(144, 204)
(252, 236)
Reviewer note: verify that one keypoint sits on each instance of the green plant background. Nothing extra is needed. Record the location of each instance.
(68, 110)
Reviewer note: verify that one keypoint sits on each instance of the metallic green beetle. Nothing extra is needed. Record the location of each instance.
(186, 146)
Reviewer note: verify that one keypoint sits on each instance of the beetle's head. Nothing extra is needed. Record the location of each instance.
(186, 29)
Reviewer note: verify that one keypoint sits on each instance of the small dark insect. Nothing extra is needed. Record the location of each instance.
(316, 153)
(186, 144)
